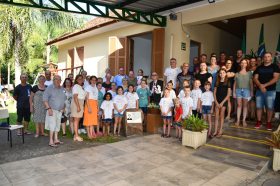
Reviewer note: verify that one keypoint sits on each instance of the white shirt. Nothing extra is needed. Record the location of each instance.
(112, 79)
(86, 83)
(171, 74)
(172, 94)
(112, 93)
(77, 89)
(187, 103)
(207, 98)
(166, 104)
(120, 101)
(103, 90)
(195, 95)
(107, 107)
(181, 94)
(139, 78)
(48, 82)
(93, 92)
(131, 99)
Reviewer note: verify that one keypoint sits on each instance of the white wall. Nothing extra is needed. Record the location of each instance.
(142, 55)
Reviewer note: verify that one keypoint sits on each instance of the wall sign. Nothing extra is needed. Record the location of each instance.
(134, 117)
(183, 46)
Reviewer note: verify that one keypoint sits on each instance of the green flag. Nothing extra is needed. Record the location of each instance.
(277, 53)
(243, 45)
(261, 49)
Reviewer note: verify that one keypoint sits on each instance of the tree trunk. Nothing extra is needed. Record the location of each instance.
(9, 74)
(48, 49)
(17, 60)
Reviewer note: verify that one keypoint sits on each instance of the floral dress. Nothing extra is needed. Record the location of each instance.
(39, 111)
(68, 102)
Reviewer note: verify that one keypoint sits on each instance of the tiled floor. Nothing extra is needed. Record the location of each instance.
(148, 160)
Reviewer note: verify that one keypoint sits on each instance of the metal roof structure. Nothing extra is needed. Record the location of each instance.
(137, 11)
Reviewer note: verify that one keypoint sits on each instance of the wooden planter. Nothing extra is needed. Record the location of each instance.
(194, 139)
(154, 120)
(276, 159)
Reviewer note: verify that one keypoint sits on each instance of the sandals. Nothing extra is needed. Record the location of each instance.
(58, 143)
(78, 138)
(44, 134)
(27, 133)
(36, 136)
(219, 135)
(53, 145)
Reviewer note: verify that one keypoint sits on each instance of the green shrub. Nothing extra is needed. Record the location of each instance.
(275, 140)
(195, 124)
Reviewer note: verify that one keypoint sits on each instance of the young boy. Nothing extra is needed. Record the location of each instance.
(207, 105)
(196, 96)
(166, 105)
(187, 103)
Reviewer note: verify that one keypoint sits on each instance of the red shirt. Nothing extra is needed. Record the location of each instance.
(178, 113)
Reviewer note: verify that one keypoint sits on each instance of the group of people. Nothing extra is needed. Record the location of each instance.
(226, 86)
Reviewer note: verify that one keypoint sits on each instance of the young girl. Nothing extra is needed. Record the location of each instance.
(91, 108)
(169, 87)
(207, 100)
(178, 111)
(120, 104)
(132, 98)
(144, 99)
(113, 89)
(221, 95)
(166, 105)
(107, 107)
(125, 84)
(100, 100)
(196, 96)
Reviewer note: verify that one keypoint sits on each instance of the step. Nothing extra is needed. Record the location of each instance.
(236, 144)
(232, 157)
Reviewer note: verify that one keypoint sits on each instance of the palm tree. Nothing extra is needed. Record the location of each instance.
(16, 26)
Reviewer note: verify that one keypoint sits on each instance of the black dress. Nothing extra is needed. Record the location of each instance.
(222, 91)
(203, 78)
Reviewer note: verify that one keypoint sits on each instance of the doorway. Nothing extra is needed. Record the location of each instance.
(195, 49)
(141, 53)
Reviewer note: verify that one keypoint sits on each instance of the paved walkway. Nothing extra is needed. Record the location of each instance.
(148, 160)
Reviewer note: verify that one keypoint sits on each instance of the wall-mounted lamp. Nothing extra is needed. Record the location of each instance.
(211, 1)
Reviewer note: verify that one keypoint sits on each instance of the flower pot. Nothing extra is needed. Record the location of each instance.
(194, 139)
(153, 111)
(276, 159)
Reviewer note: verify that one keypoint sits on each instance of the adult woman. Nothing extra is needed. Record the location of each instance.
(242, 90)
(77, 104)
(221, 95)
(91, 107)
(230, 76)
(107, 83)
(213, 69)
(67, 84)
(140, 75)
(37, 106)
(203, 75)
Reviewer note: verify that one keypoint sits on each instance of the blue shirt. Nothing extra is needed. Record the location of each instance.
(143, 94)
(118, 79)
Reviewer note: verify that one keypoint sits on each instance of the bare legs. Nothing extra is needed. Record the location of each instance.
(106, 125)
(117, 124)
(242, 105)
(207, 118)
(168, 123)
(220, 114)
(76, 126)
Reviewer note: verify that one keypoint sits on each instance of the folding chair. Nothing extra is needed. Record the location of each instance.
(4, 114)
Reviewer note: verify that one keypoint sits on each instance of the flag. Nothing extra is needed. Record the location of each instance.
(243, 45)
(261, 49)
(277, 53)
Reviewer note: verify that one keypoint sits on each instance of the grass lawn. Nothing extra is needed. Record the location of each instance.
(13, 121)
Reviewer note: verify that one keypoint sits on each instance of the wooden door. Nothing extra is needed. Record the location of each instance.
(131, 54)
(70, 62)
(158, 51)
(118, 54)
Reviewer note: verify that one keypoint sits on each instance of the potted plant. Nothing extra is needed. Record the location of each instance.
(153, 108)
(194, 132)
(274, 142)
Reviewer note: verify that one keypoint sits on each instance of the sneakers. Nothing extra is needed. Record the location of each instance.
(268, 126)
(258, 125)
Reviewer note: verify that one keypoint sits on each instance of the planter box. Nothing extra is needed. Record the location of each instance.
(153, 110)
(276, 159)
(194, 139)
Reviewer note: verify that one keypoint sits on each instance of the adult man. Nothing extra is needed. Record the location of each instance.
(156, 87)
(84, 74)
(239, 56)
(171, 73)
(132, 80)
(203, 58)
(265, 77)
(222, 61)
(48, 76)
(182, 76)
(54, 100)
(21, 95)
(196, 65)
(118, 78)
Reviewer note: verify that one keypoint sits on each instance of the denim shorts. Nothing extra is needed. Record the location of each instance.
(118, 115)
(243, 93)
(206, 109)
(167, 117)
(265, 99)
(107, 120)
